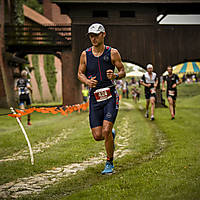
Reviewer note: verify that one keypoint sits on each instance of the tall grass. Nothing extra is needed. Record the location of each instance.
(163, 162)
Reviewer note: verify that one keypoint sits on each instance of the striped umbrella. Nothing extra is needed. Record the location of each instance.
(187, 67)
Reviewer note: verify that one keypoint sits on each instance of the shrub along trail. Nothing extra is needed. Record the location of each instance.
(142, 141)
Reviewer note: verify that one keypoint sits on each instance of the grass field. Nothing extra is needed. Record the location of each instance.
(154, 160)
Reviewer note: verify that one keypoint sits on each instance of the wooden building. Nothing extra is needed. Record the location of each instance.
(132, 27)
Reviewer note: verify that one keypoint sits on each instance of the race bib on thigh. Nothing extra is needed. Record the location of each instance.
(153, 91)
(102, 94)
(171, 92)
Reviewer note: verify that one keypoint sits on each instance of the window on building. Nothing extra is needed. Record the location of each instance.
(127, 13)
(100, 13)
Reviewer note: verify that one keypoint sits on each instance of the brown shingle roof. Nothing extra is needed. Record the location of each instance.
(125, 1)
(35, 16)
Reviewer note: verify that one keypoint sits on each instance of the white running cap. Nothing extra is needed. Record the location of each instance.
(149, 66)
(96, 28)
(24, 73)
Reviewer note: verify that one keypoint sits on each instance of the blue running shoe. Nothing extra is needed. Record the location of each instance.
(108, 168)
(113, 134)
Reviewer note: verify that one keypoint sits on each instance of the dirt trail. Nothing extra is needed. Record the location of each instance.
(39, 182)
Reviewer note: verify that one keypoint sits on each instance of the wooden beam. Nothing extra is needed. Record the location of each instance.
(125, 1)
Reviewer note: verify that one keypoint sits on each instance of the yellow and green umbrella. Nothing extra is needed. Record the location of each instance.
(187, 68)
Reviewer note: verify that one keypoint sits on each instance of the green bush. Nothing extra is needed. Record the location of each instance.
(18, 12)
(35, 63)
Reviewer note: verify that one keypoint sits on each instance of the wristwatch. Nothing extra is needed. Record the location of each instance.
(116, 76)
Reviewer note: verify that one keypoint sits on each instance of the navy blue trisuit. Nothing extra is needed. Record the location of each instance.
(104, 99)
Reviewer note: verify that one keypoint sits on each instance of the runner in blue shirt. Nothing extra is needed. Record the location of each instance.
(96, 69)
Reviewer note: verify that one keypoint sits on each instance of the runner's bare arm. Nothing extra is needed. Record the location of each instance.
(117, 62)
(30, 88)
(156, 83)
(16, 88)
(163, 85)
(28, 85)
(145, 84)
(81, 72)
(175, 84)
(179, 82)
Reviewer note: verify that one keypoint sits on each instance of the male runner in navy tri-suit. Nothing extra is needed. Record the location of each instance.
(96, 69)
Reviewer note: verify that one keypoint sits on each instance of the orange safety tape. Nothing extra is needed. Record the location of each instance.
(14, 115)
(54, 110)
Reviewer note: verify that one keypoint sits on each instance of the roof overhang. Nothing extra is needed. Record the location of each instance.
(125, 1)
(36, 17)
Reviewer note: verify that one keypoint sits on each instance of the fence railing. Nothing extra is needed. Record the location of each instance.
(38, 35)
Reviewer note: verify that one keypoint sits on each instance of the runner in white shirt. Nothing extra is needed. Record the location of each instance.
(150, 81)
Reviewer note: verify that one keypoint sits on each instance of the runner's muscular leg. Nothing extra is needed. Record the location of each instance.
(152, 99)
(29, 115)
(107, 133)
(170, 100)
(147, 104)
(97, 133)
(22, 106)
(174, 106)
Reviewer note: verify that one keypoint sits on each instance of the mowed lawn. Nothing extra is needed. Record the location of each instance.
(163, 160)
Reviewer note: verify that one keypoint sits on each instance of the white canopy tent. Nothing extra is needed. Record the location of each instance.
(134, 70)
(134, 74)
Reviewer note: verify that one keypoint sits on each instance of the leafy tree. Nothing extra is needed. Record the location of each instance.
(34, 4)
(50, 71)
(18, 13)
(35, 62)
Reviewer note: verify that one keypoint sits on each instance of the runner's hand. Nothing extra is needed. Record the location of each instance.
(174, 85)
(148, 85)
(163, 89)
(92, 83)
(110, 74)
